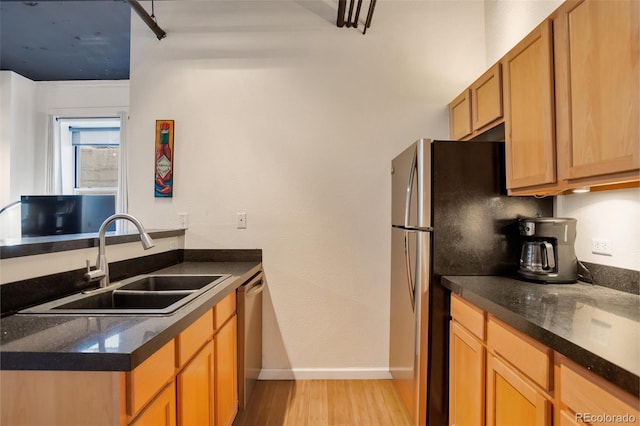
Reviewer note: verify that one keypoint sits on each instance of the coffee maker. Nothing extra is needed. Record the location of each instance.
(548, 254)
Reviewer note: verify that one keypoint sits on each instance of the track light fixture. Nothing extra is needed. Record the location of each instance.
(150, 20)
(342, 7)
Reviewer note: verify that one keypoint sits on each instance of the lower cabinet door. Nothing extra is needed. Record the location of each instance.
(566, 419)
(161, 411)
(196, 390)
(226, 373)
(466, 378)
(512, 400)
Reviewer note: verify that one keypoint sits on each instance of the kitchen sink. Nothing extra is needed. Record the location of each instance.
(164, 283)
(140, 295)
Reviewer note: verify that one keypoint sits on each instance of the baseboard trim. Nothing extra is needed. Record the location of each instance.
(324, 374)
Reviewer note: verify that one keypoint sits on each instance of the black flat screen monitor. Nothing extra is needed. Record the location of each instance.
(44, 215)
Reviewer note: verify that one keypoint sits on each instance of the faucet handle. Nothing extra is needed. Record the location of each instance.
(94, 275)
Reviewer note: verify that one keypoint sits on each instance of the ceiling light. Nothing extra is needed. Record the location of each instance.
(353, 22)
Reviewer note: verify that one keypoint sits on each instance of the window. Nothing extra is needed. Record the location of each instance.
(96, 153)
(90, 159)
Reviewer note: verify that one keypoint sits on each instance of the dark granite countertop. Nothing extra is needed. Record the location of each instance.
(596, 327)
(109, 342)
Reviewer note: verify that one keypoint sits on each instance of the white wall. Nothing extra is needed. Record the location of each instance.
(284, 116)
(25, 105)
(17, 142)
(509, 21)
(610, 215)
(38, 265)
(74, 99)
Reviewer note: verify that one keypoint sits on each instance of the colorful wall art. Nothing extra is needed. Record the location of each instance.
(164, 158)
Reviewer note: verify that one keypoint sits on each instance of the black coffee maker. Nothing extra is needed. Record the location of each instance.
(548, 254)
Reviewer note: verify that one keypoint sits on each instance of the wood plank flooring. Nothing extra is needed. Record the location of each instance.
(324, 403)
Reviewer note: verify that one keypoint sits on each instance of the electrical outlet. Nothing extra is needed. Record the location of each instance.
(183, 220)
(241, 220)
(601, 246)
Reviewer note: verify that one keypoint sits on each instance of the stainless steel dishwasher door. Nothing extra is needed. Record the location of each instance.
(249, 336)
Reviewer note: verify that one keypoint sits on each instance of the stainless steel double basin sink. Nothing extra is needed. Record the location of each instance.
(140, 295)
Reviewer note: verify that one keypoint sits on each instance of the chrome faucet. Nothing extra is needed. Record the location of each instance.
(102, 266)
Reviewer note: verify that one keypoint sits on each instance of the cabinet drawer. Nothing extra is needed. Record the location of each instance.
(149, 377)
(526, 354)
(586, 393)
(224, 310)
(469, 316)
(191, 339)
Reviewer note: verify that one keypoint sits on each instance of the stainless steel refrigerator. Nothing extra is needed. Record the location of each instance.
(450, 216)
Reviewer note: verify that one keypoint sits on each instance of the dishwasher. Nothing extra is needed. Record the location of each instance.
(249, 336)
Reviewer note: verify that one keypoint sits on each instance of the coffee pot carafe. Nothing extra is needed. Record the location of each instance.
(548, 253)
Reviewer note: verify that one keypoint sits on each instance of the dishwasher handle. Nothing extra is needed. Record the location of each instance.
(255, 286)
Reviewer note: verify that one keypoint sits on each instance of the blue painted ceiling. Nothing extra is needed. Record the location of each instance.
(65, 40)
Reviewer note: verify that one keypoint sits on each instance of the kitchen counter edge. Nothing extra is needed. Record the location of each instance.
(477, 291)
(170, 326)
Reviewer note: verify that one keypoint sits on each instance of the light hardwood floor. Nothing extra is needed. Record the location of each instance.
(324, 403)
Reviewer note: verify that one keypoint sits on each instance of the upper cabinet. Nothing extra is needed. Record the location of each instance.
(460, 116)
(530, 149)
(597, 68)
(486, 99)
(479, 107)
(571, 94)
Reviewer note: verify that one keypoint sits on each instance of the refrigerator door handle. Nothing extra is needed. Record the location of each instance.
(412, 175)
(414, 228)
(410, 283)
(409, 228)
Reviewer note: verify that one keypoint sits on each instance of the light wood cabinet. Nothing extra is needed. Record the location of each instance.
(571, 93)
(191, 380)
(524, 382)
(224, 310)
(460, 116)
(226, 378)
(191, 339)
(527, 355)
(161, 412)
(529, 111)
(479, 107)
(512, 399)
(597, 69)
(585, 398)
(466, 381)
(149, 377)
(195, 389)
(519, 377)
(466, 364)
(486, 98)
